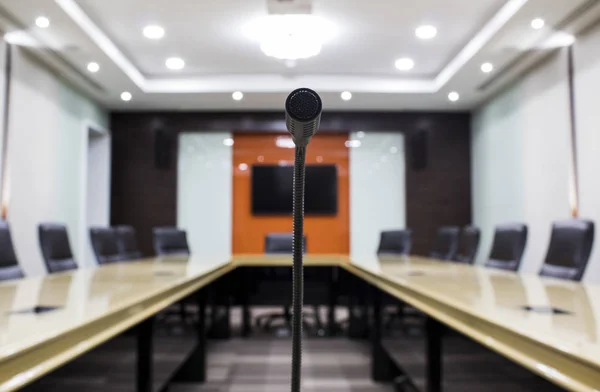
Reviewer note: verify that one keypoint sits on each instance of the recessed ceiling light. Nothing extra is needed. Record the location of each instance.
(228, 142)
(154, 32)
(453, 96)
(42, 22)
(346, 95)
(237, 96)
(487, 67)
(175, 63)
(93, 67)
(426, 32)
(405, 64)
(537, 23)
(126, 96)
(393, 150)
(360, 134)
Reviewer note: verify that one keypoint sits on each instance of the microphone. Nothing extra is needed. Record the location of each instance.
(302, 117)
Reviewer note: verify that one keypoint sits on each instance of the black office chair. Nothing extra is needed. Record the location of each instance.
(446, 243)
(469, 242)
(508, 247)
(569, 250)
(170, 241)
(127, 243)
(56, 249)
(391, 242)
(9, 265)
(282, 243)
(104, 243)
(395, 242)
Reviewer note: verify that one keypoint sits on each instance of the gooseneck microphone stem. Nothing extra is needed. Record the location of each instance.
(302, 117)
(298, 273)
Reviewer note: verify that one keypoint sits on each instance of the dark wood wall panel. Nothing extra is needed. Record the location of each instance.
(144, 196)
(440, 194)
(141, 195)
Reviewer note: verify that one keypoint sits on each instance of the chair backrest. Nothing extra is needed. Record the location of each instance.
(170, 241)
(395, 242)
(469, 244)
(508, 247)
(569, 251)
(56, 249)
(281, 243)
(104, 244)
(127, 243)
(446, 243)
(9, 265)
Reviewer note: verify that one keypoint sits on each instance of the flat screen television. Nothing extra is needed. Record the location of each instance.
(272, 192)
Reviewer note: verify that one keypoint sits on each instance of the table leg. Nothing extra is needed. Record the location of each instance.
(194, 368)
(382, 367)
(331, 326)
(434, 355)
(145, 376)
(246, 328)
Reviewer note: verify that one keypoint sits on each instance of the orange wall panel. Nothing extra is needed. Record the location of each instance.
(324, 234)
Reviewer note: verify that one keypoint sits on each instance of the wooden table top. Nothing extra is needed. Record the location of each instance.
(97, 304)
(487, 305)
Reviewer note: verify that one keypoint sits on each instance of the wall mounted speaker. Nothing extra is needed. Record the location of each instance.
(419, 149)
(164, 148)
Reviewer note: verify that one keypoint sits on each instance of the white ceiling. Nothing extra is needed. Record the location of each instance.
(209, 35)
(220, 58)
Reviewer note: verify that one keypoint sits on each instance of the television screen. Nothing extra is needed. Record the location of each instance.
(272, 190)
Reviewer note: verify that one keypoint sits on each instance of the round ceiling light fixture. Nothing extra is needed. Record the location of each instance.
(126, 96)
(93, 67)
(405, 64)
(290, 37)
(175, 63)
(537, 23)
(346, 95)
(237, 96)
(42, 22)
(154, 32)
(453, 96)
(487, 67)
(426, 32)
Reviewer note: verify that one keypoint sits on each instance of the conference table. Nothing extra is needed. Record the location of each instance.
(548, 326)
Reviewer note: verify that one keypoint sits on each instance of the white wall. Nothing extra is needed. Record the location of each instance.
(97, 193)
(520, 165)
(377, 189)
(587, 85)
(48, 131)
(204, 193)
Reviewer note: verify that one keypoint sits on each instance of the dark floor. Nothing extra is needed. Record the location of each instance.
(262, 364)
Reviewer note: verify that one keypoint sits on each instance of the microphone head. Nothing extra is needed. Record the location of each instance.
(302, 115)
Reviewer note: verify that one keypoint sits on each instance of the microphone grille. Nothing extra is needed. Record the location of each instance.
(303, 104)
